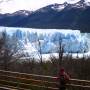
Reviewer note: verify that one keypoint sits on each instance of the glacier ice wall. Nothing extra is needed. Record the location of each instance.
(47, 40)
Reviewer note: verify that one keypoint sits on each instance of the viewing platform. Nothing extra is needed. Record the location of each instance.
(22, 81)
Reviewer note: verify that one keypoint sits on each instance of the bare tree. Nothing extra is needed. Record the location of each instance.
(40, 51)
(60, 50)
(40, 56)
(8, 49)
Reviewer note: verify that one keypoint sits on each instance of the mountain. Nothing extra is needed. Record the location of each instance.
(54, 16)
(11, 19)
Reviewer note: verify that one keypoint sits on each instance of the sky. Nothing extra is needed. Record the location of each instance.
(10, 6)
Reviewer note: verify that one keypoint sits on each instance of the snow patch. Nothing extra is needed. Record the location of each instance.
(58, 8)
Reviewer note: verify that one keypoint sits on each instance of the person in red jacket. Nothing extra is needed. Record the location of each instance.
(63, 79)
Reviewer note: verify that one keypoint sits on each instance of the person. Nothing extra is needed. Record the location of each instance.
(63, 79)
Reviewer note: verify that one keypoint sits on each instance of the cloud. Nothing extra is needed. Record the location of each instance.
(9, 6)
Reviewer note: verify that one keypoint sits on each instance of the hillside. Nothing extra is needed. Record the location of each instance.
(54, 16)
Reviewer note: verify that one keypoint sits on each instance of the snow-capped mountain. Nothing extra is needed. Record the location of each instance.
(66, 5)
(11, 19)
(54, 16)
(22, 12)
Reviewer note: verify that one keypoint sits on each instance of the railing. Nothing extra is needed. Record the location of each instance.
(23, 81)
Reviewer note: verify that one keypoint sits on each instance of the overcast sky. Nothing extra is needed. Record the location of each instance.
(9, 6)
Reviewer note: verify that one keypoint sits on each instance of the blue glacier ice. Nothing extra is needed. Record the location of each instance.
(47, 40)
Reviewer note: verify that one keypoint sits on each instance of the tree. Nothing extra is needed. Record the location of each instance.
(40, 51)
(8, 49)
(40, 56)
(60, 50)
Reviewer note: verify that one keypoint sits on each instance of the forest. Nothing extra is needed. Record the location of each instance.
(76, 67)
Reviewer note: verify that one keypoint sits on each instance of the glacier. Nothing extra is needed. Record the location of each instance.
(47, 41)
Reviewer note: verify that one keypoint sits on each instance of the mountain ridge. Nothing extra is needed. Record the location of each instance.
(54, 16)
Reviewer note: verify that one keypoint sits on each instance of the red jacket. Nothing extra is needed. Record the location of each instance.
(64, 74)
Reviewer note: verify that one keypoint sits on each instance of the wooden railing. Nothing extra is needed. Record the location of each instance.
(23, 81)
